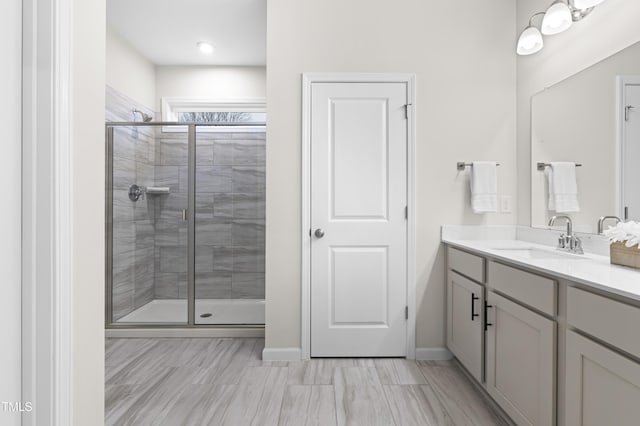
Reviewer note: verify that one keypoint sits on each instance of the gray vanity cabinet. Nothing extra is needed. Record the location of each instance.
(465, 301)
(602, 379)
(547, 350)
(521, 344)
(501, 327)
(603, 387)
(521, 361)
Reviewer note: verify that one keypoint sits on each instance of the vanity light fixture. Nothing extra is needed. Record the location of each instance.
(530, 40)
(586, 4)
(557, 18)
(205, 47)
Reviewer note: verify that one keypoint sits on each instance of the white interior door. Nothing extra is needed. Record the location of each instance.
(358, 219)
(631, 153)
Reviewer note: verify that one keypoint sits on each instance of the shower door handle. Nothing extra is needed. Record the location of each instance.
(185, 215)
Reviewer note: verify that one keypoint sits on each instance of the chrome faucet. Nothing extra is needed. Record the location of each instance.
(603, 219)
(568, 242)
(568, 219)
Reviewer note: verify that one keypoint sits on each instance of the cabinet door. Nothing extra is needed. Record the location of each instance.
(603, 387)
(464, 322)
(521, 353)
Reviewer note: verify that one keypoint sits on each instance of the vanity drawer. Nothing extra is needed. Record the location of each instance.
(530, 289)
(609, 320)
(467, 264)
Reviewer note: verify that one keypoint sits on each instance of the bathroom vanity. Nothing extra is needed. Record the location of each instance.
(553, 337)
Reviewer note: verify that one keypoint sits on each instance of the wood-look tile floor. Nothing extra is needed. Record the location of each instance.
(224, 382)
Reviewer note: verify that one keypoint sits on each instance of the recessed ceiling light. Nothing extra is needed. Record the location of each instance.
(205, 47)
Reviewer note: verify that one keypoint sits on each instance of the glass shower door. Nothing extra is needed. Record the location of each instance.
(146, 228)
(229, 226)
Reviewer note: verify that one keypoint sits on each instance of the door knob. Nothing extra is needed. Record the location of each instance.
(319, 233)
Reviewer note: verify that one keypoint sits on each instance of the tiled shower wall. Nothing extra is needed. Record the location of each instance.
(230, 206)
(132, 223)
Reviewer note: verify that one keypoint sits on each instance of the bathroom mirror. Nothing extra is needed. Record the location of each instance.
(593, 119)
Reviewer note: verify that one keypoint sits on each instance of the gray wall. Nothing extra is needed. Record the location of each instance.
(133, 228)
(150, 251)
(230, 188)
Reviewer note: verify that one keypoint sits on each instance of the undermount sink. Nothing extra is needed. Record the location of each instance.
(536, 253)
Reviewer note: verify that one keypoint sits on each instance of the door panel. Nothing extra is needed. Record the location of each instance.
(360, 286)
(520, 362)
(358, 200)
(464, 322)
(361, 195)
(602, 385)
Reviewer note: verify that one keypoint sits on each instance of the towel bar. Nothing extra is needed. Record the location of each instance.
(542, 166)
(461, 165)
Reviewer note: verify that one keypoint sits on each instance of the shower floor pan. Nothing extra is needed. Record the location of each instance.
(222, 311)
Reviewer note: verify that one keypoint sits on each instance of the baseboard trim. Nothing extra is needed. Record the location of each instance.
(183, 332)
(281, 354)
(433, 354)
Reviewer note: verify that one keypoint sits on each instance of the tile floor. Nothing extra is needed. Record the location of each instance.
(224, 382)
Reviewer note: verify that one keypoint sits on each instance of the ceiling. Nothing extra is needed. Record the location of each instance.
(166, 31)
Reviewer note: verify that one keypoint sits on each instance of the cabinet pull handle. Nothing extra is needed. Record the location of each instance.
(473, 306)
(486, 321)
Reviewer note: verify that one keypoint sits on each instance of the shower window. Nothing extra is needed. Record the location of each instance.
(251, 112)
(221, 117)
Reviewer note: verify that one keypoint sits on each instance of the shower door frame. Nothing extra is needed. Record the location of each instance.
(191, 227)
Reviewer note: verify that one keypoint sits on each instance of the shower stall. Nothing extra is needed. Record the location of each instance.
(185, 223)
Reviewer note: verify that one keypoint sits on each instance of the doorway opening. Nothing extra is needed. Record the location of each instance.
(185, 184)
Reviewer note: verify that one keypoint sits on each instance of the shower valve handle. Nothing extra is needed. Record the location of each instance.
(136, 192)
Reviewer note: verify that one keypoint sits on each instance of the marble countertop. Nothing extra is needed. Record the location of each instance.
(589, 269)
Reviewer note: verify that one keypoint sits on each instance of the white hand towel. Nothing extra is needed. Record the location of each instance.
(563, 187)
(484, 187)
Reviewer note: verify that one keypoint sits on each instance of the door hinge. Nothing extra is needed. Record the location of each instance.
(627, 109)
(406, 111)
(406, 312)
(185, 215)
(406, 212)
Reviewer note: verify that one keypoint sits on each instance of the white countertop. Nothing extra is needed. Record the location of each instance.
(588, 269)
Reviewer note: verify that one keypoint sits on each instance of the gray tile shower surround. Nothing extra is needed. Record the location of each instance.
(149, 245)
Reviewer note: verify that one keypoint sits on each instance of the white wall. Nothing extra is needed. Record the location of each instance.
(129, 72)
(10, 214)
(210, 82)
(612, 26)
(88, 97)
(462, 54)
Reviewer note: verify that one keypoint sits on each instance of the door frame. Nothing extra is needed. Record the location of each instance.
(308, 79)
(47, 212)
(622, 81)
